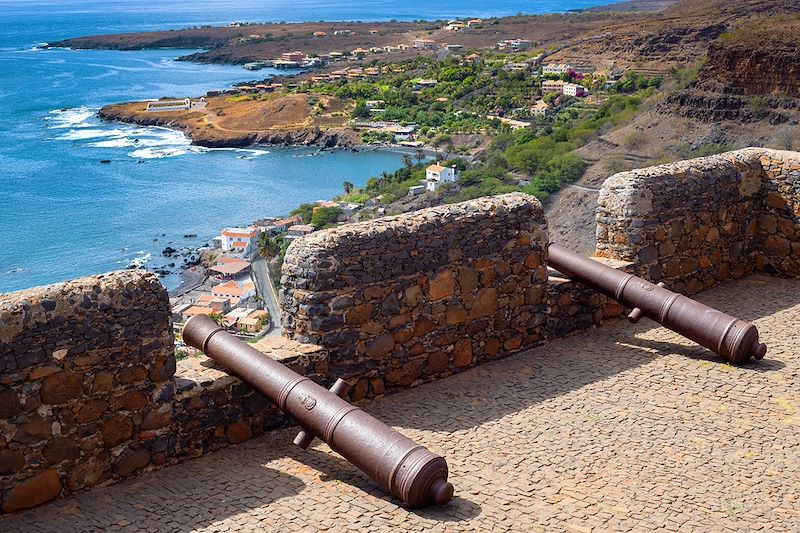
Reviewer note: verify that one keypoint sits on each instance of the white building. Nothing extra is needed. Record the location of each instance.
(561, 68)
(240, 242)
(437, 174)
(573, 89)
(540, 109)
(169, 105)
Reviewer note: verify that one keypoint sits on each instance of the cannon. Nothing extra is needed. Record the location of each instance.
(403, 468)
(733, 339)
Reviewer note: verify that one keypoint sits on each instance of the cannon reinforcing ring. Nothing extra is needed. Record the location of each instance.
(334, 420)
(283, 395)
(621, 286)
(396, 468)
(722, 344)
(665, 307)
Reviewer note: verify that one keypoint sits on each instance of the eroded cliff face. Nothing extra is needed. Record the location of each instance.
(763, 62)
(750, 74)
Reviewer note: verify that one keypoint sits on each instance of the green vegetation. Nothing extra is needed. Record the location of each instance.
(452, 96)
(269, 246)
(373, 136)
(325, 217)
(305, 211)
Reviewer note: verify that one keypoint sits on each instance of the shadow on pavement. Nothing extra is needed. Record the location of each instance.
(182, 498)
(498, 388)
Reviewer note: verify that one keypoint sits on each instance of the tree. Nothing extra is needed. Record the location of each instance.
(305, 211)
(325, 216)
(268, 246)
(348, 187)
(218, 319)
(407, 160)
(419, 156)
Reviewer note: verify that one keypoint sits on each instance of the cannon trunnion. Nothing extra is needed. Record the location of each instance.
(405, 469)
(733, 339)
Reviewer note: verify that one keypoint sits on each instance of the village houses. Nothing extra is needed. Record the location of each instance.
(573, 89)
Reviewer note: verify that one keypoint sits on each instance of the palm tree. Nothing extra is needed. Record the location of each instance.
(268, 247)
(348, 187)
(218, 319)
(419, 156)
(407, 160)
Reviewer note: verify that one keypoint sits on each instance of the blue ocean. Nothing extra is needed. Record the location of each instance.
(64, 214)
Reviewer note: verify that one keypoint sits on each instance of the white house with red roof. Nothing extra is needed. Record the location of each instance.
(239, 242)
(437, 174)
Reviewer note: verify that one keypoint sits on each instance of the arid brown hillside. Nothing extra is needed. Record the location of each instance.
(759, 60)
(678, 35)
(751, 73)
(292, 119)
(730, 8)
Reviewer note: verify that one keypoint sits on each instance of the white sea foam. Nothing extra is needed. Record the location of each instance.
(113, 143)
(70, 118)
(149, 142)
(139, 261)
(80, 135)
(154, 153)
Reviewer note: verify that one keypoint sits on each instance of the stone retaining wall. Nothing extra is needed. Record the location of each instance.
(410, 298)
(696, 223)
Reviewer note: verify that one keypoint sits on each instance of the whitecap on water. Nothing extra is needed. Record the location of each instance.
(139, 262)
(156, 153)
(70, 118)
(83, 134)
(113, 143)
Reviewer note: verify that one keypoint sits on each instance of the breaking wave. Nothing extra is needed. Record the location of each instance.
(83, 125)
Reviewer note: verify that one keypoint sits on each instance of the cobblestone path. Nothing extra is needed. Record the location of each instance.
(624, 428)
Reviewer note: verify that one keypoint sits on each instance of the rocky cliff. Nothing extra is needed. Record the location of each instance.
(751, 73)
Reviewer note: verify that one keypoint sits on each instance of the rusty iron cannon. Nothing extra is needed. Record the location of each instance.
(405, 469)
(733, 339)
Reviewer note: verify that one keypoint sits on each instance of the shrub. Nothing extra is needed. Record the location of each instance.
(614, 163)
(325, 216)
(633, 140)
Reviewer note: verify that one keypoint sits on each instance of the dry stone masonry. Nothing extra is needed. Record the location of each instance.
(90, 391)
(413, 297)
(85, 384)
(696, 223)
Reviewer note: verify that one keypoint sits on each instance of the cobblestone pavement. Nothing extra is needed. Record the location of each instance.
(625, 428)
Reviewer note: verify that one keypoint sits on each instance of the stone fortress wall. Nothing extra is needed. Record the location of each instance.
(90, 392)
(421, 294)
(696, 223)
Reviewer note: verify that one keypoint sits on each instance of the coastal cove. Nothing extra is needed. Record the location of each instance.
(80, 195)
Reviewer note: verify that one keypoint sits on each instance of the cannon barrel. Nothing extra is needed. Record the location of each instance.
(405, 469)
(733, 339)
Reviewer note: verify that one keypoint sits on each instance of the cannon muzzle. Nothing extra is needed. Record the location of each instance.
(405, 469)
(733, 339)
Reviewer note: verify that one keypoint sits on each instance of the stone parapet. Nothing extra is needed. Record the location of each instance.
(90, 392)
(405, 299)
(85, 384)
(703, 221)
(214, 409)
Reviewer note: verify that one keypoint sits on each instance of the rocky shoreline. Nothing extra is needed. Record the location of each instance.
(332, 138)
